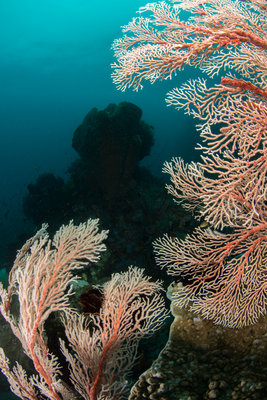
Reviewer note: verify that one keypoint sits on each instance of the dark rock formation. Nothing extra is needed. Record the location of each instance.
(110, 143)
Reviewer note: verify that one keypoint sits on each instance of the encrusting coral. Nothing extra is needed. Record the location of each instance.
(203, 361)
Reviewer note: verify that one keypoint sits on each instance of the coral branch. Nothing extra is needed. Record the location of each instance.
(225, 273)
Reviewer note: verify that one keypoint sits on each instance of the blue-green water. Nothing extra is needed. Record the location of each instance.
(55, 66)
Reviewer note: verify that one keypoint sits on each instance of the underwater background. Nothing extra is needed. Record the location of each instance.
(72, 146)
(55, 67)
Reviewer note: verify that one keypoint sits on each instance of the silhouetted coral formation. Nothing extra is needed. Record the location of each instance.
(111, 142)
(107, 182)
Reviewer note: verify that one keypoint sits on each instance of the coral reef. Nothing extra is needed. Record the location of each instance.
(202, 361)
(110, 143)
(107, 182)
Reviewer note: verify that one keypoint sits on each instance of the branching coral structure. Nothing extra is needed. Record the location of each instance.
(100, 348)
(222, 267)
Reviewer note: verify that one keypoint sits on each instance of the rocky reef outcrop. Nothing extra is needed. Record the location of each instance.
(110, 143)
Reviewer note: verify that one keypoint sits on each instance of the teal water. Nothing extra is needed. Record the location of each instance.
(55, 66)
